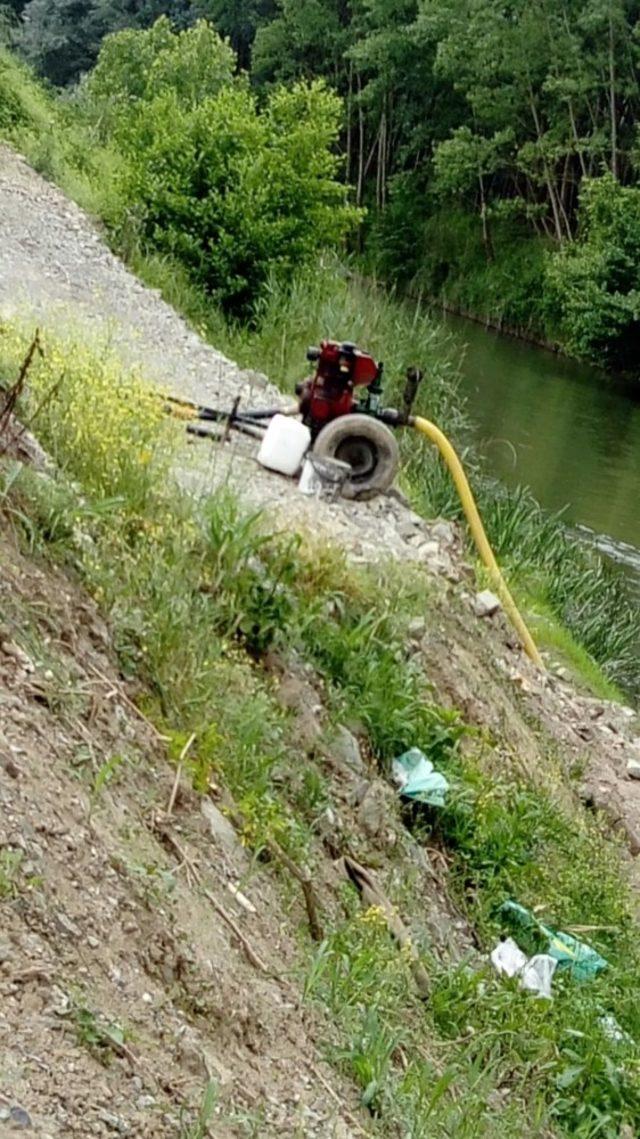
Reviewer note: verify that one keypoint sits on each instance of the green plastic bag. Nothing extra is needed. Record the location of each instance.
(418, 779)
(579, 959)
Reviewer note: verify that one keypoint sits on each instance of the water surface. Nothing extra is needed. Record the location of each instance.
(562, 429)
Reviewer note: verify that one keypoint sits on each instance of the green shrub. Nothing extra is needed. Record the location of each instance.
(233, 190)
(594, 282)
(135, 66)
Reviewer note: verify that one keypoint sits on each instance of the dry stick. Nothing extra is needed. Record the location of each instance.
(336, 1099)
(251, 954)
(12, 396)
(373, 895)
(47, 397)
(16, 389)
(130, 704)
(182, 854)
(176, 782)
(230, 418)
(303, 876)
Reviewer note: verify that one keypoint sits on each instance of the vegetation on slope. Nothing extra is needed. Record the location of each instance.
(195, 593)
(255, 247)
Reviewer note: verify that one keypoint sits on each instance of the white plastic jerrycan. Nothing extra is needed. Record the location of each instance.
(285, 444)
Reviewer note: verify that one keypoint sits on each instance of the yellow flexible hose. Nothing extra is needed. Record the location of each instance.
(478, 532)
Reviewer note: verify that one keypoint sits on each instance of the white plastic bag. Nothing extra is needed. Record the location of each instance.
(507, 957)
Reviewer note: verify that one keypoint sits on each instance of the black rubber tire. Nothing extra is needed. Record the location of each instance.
(368, 446)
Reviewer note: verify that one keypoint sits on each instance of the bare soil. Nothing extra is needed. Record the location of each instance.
(124, 991)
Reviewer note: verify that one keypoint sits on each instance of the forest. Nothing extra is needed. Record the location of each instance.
(491, 148)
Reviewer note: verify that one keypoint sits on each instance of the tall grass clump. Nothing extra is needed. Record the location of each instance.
(552, 569)
(57, 139)
(103, 426)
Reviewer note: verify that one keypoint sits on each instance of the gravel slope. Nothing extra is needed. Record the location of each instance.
(55, 265)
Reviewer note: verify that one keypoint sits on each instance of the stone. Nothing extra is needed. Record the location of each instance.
(429, 550)
(377, 811)
(417, 628)
(485, 604)
(633, 769)
(144, 1102)
(114, 1122)
(406, 529)
(444, 532)
(19, 1119)
(220, 828)
(344, 749)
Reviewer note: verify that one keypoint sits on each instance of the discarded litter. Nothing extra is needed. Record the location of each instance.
(323, 478)
(417, 778)
(580, 960)
(284, 445)
(536, 973)
(507, 957)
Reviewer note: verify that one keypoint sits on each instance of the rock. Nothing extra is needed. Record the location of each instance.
(65, 925)
(429, 550)
(417, 628)
(485, 604)
(114, 1122)
(344, 749)
(406, 529)
(17, 1118)
(144, 1102)
(220, 828)
(377, 811)
(444, 532)
(633, 769)
(440, 567)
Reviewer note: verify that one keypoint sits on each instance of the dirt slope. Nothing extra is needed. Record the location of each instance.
(109, 950)
(122, 991)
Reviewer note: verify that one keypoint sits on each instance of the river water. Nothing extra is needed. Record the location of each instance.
(561, 428)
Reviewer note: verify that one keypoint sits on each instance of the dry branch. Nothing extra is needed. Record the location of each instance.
(373, 895)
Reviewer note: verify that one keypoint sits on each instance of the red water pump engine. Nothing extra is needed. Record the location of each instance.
(329, 393)
(352, 426)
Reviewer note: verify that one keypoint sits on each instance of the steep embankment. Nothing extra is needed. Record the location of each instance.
(134, 975)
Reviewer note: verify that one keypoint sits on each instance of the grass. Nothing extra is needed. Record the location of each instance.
(482, 1055)
(10, 874)
(553, 636)
(56, 140)
(103, 1039)
(195, 594)
(569, 581)
(200, 1129)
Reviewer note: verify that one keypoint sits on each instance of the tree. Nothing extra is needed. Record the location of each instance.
(136, 66)
(62, 38)
(238, 20)
(465, 161)
(593, 285)
(234, 189)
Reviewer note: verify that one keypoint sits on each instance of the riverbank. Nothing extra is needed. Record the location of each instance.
(221, 696)
(572, 583)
